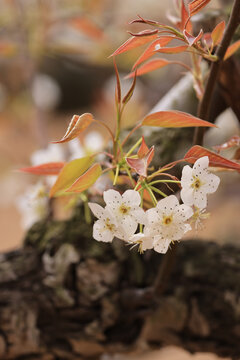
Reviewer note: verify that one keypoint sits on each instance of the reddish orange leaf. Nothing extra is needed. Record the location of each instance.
(76, 126)
(185, 22)
(143, 150)
(133, 43)
(192, 39)
(150, 66)
(233, 141)
(232, 49)
(172, 50)
(215, 160)
(87, 27)
(141, 165)
(174, 119)
(51, 168)
(69, 173)
(196, 5)
(151, 50)
(85, 181)
(207, 39)
(217, 33)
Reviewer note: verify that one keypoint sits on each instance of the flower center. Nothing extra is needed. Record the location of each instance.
(196, 184)
(167, 220)
(124, 209)
(109, 226)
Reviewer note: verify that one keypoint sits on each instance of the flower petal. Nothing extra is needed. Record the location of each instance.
(97, 210)
(112, 198)
(200, 199)
(186, 176)
(211, 183)
(100, 233)
(200, 165)
(187, 196)
(168, 204)
(161, 245)
(182, 213)
(131, 197)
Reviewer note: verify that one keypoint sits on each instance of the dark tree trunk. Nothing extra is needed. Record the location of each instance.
(66, 296)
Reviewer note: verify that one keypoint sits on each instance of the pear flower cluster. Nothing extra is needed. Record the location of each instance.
(163, 224)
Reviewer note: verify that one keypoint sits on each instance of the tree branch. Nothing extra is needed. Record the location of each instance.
(204, 106)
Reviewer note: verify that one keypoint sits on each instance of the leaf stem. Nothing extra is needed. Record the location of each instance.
(158, 191)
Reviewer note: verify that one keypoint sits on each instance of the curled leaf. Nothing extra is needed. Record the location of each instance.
(51, 168)
(69, 173)
(143, 150)
(196, 5)
(215, 160)
(76, 126)
(233, 141)
(140, 165)
(192, 39)
(86, 180)
(174, 119)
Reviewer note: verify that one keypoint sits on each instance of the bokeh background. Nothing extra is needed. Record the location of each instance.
(54, 62)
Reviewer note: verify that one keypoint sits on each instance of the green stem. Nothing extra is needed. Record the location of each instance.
(164, 181)
(154, 200)
(116, 175)
(87, 213)
(158, 191)
(134, 147)
(130, 176)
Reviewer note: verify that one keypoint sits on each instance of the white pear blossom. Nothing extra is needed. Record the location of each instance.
(125, 208)
(168, 222)
(197, 182)
(33, 205)
(106, 228)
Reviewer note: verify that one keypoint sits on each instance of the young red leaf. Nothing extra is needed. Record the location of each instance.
(217, 33)
(233, 141)
(215, 160)
(143, 150)
(150, 66)
(185, 22)
(207, 39)
(69, 173)
(151, 50)
(196, 5)
(232, 49)
(133, 43)
(172, 50)
(174, 119)
(192, 39)
(76, 126)
(51, 168)
(86, 26)
(129, 94)
(86, 180)
(141, 165)
(118, 95)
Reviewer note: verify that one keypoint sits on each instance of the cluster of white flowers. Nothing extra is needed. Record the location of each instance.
(163, 224)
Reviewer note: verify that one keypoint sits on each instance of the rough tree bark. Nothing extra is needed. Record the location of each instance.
(66, 296)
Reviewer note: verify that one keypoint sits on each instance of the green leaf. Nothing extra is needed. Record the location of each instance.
(86, 180)
(70, 172)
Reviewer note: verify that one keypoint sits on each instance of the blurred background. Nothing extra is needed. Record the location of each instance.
(54, 62)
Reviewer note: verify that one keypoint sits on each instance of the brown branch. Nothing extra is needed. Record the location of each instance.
(204, 105)
(203, 113)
